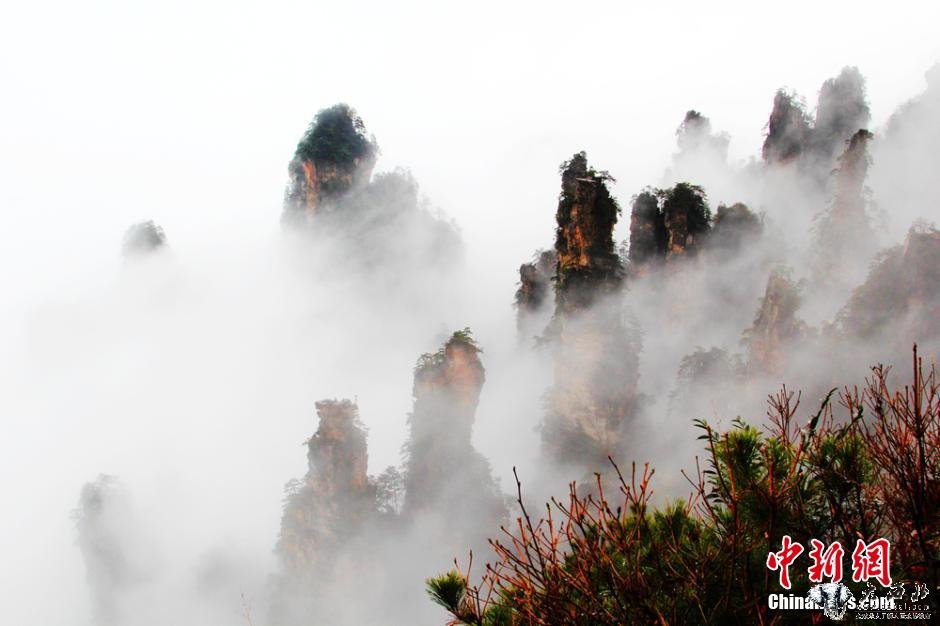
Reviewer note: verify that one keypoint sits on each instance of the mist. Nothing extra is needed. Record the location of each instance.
(165, 398)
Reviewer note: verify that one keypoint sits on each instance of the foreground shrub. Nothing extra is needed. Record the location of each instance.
(600, 558)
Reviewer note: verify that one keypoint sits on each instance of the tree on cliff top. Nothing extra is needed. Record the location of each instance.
(141, 239)
(337, 135)
(691, 201)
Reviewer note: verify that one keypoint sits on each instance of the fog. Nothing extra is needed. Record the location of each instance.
(191, 374)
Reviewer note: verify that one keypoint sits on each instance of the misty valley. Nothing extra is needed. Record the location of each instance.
(351, 423)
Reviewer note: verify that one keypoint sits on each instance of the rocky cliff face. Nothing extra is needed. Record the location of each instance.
(668, 224)
(594, 392)
(316, 187)
(841, 111)
(788, 130)
(333, 501)
(904, 171)
(443, 472)
(596, 363)
(775, 326)
(732, 226)
(588, 264)
(104, 522)
(647, 231)
(533, 297)
(849, 202)
(333, 518)
(901, 293)
(845, 241)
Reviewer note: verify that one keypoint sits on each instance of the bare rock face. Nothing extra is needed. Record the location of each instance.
(105, 525)
(788, 130)
(443, 471)
(337, 454)
(314, 187)
(142, 239)
(914, 116)
(335, 498)
(904, 168)
(732, 226)
(330, 518)
(332, 158)
(775, 326)
(596, 354)
(587, 260)
(647, 231)
(667, 224)
(594, 392)
(902, 291)
(533, 297)
(853, 168)
(841, 110)
(844, 237)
